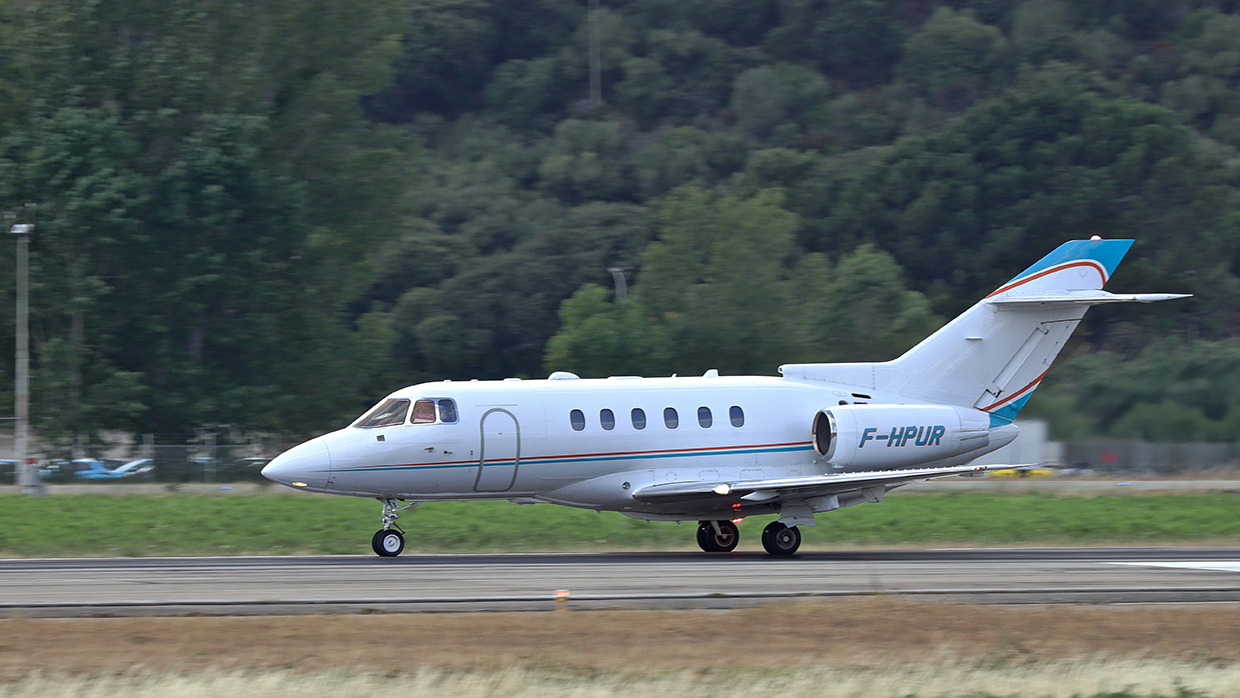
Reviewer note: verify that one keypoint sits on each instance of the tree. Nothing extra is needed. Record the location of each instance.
(445, 59)
(721, 287)
(767, 96)
(1168, 391)
(951, 58)
(1206, 94)
(584, 162)
(179, 154)
(686, 154)
(864, 311)
(1059, 156)
(494, 317)
(855, 41)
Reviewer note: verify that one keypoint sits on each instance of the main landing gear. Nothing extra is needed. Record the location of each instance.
(779, 539)
(717, 536)
(390, 540)
(722, 537)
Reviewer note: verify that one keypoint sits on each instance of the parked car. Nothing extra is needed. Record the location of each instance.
(98, 471)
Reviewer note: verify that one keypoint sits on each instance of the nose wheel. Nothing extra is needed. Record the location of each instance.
(779, 539)
(718, 536)
(389, 541)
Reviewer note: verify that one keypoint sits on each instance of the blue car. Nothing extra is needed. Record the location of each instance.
(96, 470)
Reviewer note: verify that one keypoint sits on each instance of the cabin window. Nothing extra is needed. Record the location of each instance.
(639, 418)
(423, 411)
(578, 419)
(607, 419)
(736, 415)
(388, 413)
(670, 418)
(447, 411)
(704, 418)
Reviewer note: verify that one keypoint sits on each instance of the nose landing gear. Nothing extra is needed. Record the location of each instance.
(389, 541)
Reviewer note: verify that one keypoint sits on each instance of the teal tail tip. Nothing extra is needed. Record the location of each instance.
(1107, 253)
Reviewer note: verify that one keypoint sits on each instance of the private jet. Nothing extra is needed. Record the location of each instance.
(715, 449)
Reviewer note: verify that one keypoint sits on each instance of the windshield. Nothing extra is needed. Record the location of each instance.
(390, 412)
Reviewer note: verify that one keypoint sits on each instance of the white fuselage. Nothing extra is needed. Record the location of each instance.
(546, 440)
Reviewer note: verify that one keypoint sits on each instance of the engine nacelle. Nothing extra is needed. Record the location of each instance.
(879, 437)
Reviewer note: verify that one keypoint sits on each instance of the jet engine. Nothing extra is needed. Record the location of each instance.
(879, 437)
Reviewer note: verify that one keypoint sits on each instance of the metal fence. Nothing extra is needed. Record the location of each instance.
(1145, 457)
(1034, 447)
(202, 458)
(212, 458)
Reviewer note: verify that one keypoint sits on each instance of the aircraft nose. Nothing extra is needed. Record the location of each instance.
(303, 467)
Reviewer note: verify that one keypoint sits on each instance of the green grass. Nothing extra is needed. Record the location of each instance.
(183, 524)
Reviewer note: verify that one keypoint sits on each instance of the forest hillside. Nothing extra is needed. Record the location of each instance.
(269, 213)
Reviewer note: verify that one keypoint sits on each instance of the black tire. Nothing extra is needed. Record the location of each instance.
(704, 535)
(779, 539)
(723, 541)
(387, 543)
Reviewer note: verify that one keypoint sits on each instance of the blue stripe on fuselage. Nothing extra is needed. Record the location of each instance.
(543, 460)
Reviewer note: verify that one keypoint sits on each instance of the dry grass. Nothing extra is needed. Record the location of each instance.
(1116, 679)
(842, 634)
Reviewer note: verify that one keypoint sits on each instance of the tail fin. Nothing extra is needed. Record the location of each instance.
(995, 354)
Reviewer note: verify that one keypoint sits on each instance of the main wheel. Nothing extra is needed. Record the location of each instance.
(723, 541)
(388, 543)
(704, 534)
(779, 539)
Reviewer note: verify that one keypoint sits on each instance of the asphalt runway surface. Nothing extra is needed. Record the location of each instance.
(530, 582)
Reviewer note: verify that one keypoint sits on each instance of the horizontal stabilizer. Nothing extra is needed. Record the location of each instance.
(1084, 298)
(798, 487)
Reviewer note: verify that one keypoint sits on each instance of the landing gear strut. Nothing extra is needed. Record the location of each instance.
(717, 536)
(390, 540)
(779, 539)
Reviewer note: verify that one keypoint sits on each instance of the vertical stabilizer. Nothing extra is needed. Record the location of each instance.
(993, 356)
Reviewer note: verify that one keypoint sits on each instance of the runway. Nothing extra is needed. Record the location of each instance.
(281, 585)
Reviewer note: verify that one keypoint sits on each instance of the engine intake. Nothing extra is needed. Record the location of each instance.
(864, 437)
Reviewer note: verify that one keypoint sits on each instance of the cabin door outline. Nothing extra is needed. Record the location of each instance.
(499, 452)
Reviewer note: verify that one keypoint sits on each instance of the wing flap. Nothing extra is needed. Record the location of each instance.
(797, 487)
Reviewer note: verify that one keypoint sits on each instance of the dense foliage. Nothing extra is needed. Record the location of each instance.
(268, 213)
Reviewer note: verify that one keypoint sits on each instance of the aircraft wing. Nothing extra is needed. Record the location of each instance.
(799, 487)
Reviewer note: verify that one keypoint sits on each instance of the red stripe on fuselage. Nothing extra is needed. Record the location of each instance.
(1016, 394)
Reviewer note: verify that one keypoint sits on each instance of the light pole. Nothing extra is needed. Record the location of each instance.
(27, 479)
(596, 80)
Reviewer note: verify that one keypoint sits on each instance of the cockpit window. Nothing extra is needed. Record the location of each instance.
(390, 412)
(423, 411)
(447, 411)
